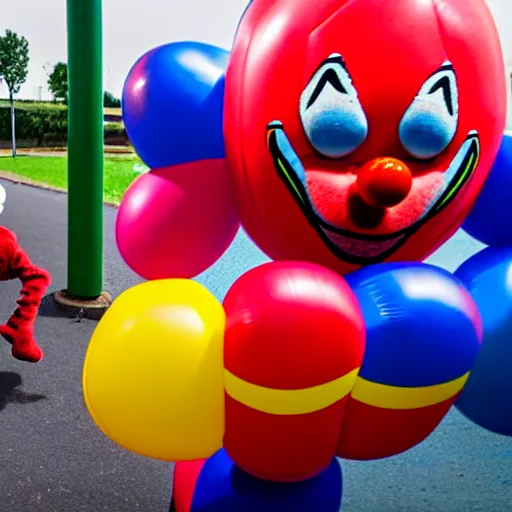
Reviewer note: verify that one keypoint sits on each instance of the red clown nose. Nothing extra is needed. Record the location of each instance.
(384, 182)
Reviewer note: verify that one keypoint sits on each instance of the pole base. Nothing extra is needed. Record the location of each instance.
(93, 309)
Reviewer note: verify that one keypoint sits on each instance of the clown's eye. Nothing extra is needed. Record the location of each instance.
(331, 114)
(430, 123)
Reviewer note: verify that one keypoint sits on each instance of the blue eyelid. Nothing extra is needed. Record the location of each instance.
(331, 113)
(430, 123)
(425, 134)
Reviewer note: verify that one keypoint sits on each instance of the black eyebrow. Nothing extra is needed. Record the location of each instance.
(330, 76)
(444, 84)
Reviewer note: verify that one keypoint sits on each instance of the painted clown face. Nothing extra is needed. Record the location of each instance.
(360, 131)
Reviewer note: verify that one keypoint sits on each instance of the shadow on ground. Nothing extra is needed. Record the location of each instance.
(11, 394)
(50, 309)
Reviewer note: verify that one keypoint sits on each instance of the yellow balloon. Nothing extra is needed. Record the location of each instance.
(153, 373)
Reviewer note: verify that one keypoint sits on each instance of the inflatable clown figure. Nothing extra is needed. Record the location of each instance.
(350, 139)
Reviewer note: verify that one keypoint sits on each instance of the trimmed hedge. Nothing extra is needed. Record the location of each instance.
(46, 125)
(30, 104)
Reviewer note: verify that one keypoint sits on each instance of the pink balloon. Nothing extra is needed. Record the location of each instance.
(177, 221)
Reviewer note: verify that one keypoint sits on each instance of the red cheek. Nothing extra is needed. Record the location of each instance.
(337, 200)
(329, 194)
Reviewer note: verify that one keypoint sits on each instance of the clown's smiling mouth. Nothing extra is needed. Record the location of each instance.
(355, 247)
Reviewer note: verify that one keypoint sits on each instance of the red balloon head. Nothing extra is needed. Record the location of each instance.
(360, 131)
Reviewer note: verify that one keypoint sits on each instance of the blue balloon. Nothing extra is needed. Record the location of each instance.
(488, 221)
(173, 101)
(223, 487)
(422, 326)
(487, 397)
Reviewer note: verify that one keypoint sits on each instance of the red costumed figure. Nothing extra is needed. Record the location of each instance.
(15, 264)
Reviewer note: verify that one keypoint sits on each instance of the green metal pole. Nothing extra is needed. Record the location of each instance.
(85, 148)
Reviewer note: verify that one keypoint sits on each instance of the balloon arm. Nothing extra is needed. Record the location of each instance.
(485, 220)
(174, 201)
(503, 160)
(504, 156)
(182, 81)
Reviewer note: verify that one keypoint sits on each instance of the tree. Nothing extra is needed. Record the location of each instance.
(58, 82)
(110, 101)
(14, 59)
(58, 85)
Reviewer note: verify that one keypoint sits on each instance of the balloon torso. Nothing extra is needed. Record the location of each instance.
(361, 131)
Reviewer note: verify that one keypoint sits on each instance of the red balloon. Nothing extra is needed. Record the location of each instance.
(371, 433)
(317, 90)
(175, 222)
(294, 343)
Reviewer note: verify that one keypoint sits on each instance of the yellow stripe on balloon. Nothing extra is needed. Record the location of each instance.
(283, 402)
(393, 397)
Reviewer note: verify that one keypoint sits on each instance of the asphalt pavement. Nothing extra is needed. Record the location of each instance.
(54, 459)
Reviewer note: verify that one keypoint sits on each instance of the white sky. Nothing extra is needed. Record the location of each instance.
(132, 27)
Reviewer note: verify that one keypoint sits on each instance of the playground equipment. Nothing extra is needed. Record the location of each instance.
(85, 159)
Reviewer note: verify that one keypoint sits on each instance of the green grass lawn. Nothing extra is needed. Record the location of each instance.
(120, 171)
